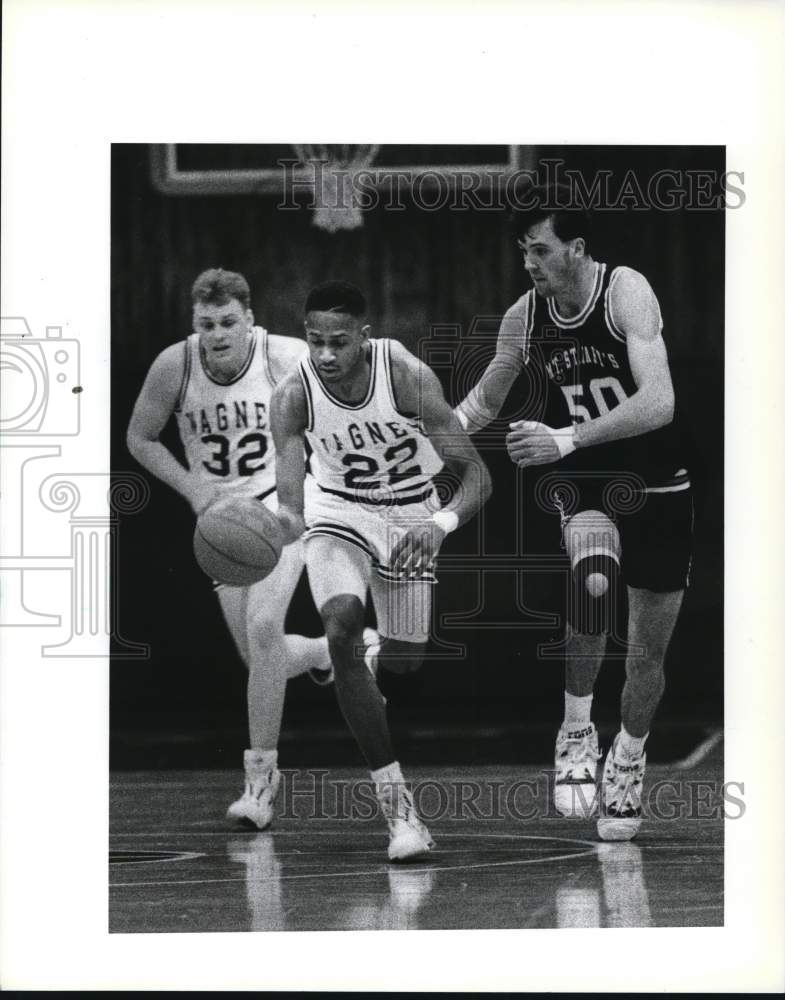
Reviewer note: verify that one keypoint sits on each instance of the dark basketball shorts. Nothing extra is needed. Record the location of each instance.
(656, 542)
(655, 530)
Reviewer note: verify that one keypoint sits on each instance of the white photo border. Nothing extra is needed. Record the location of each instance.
(80, 75)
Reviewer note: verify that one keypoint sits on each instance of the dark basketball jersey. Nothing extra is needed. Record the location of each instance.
(579, 370)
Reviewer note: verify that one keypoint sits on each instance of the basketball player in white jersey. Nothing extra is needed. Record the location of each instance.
(218, 384)
(590, 336)
(380, 429)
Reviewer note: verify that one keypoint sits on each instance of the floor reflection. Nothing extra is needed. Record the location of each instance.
(262, 880)
(617, 899)
(609, 890)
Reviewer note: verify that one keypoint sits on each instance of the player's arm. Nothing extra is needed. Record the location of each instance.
(636, 313)
(288, 419)
(417, 390)
(485, 400)
(283, 353)
(153, 408)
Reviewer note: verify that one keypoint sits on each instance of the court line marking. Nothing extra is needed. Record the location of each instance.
(701, 751)
(367, 833)
(592, 849)
(353, 874)
(178, 856)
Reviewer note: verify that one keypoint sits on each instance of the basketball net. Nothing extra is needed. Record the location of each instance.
(334, 171)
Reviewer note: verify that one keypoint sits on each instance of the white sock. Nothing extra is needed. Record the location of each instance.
(390, 774)
(577, 710)
(631, 746)
(260, 760)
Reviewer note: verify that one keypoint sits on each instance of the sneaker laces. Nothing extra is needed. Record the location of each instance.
(624, 784)
(396, 802)
(258, 782)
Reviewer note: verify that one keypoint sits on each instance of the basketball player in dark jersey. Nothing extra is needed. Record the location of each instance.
(588, 336)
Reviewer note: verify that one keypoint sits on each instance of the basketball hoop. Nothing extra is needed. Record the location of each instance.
(334, 169)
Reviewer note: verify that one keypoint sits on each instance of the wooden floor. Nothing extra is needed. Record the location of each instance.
(177, 865)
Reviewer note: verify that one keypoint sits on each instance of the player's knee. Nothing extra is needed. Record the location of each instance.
(264, 632)
(592, 543)
(399, 657)
(342, 617)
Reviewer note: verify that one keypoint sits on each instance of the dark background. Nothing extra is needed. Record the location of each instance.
(184, 706)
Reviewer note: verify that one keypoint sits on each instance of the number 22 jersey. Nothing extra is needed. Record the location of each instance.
(367, 451)
(225, 426)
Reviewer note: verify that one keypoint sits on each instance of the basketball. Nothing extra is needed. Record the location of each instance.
(238, 541)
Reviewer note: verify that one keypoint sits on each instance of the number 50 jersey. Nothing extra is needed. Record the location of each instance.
(225, 427)
(368, 451)
(578, 369)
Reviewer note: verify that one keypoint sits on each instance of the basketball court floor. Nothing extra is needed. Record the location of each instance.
(503, 859)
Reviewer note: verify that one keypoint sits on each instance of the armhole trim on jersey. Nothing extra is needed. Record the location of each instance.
(610, 322)
(308, 397)
(268, 368)
(528, 326)
(388, 374)
(186, 376)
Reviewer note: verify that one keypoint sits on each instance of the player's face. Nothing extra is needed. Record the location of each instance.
(549, 260)
(337, 344)
(224, 331)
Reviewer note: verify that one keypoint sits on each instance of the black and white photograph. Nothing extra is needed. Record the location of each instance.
(345, 372)
(391, 553)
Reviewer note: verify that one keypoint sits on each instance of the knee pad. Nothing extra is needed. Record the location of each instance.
(594, 549)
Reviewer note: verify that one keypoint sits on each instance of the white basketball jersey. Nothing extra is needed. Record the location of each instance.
(225, 427)
(368, 450)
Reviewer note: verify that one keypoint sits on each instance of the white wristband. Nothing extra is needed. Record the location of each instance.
(565, 439)
(447, 520)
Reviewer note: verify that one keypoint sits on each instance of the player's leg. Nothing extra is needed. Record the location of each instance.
(273, 655)
(266, 687)
(652, 619)
(255, 805)
(592, 546)
(339, 573)
(657, 542)
(403, 613)
(255, 616)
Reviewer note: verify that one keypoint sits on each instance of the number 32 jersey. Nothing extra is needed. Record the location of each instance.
(225, 427)
(367, 451)
(580, 370)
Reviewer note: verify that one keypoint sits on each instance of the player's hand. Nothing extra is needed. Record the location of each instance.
(533, 443)
(415, 550)
(201, 496)
(292, 522)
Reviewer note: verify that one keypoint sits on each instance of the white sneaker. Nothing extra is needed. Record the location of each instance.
(255, 805)
(409, 837)
(620, 797)
(324, 677)
(577, 753)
